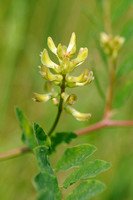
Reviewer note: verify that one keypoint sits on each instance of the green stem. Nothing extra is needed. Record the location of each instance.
(60, 107)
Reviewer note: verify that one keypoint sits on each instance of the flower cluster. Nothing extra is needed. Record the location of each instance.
(111, 45)
(59, 74)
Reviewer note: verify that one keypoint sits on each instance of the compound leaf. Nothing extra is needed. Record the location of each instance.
(62, 137)
(87, 190)
(88, 170)
(74, 156)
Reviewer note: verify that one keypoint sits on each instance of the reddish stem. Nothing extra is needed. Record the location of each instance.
(104, 123)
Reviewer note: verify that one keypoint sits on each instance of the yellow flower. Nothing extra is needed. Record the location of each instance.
(59, 74)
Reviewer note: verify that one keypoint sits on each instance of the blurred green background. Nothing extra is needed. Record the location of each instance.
(24, 28)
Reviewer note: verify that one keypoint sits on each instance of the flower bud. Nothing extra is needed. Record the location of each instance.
(64, 96)
(45, 97)
(104, 38)
(82, 55)
(48, 86)
(52, 46)
(47, 61)
(69, 99)
(88, 78)
(46, 74)
(65, 66)
(81, 80)
(71, 50)
(79, 116)
(111, 45)
(61, 51)
(41, 97)
(55, 101)
(83, 52)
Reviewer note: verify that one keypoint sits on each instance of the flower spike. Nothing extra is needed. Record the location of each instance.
(111, 45)
(60, 74)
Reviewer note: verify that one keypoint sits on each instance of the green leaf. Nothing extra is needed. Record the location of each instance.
(41, 153)
(87, 190)
(74, 156)
(48, 187)
(98, 85)
(126, 66)
(88, 170)
(100, 4)
(61, 137)
(123, 94)
(28, 134)
(102, 54)
(127, 31)
(41, 136)
(92, 18)
(120, 9)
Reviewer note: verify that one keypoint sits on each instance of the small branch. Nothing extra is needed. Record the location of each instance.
(119, 123)
(90, 129)
(14, 153)
(104, 123)
(111, 89)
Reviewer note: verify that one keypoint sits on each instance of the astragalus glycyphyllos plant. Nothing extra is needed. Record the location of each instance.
(43, 145)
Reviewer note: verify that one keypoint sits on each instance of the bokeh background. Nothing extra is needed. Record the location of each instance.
(24, 28)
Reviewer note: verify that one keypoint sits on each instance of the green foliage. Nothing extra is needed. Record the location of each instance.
(97, 82)
(45, 182)
(41, 137)
(74, 156)
(87, 170)
(101, 51)
(100, 4)
(123, 94)
(47, 186)
(86, 190)
(126, 66)
(92, 18)
(120, 9)
(41, 153)
(127, 31)
(28, 134)
(62, 137)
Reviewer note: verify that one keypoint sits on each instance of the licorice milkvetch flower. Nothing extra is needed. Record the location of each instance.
(111, 44)
(59, 74)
